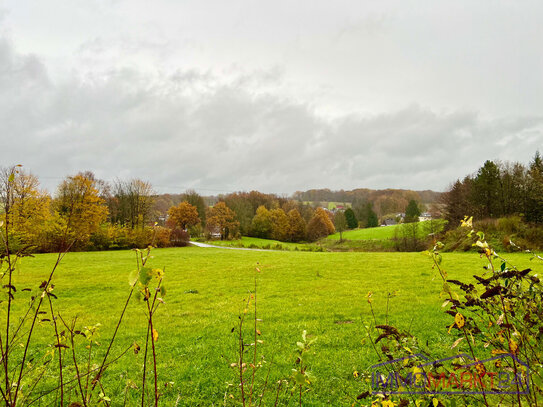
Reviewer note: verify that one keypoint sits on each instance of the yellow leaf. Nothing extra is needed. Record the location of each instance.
(435, 402)
(155, 335)
(459, 320)
(513, 346)
(455, 344)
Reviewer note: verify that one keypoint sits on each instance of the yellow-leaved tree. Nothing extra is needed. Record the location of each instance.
(79, 206)
(29, 207)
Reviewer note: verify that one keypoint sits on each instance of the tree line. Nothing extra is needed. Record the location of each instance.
(498, 189)
(94, 214)
(97, 215)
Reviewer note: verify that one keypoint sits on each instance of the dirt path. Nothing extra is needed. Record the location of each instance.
(198, 244)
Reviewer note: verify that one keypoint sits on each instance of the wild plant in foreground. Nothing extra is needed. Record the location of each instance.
(254, 388)
(31, 373)
(497, 323)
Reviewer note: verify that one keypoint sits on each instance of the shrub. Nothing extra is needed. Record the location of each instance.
(179, 238)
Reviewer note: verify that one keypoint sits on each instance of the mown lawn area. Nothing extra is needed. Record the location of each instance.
(323, 293)
(387, 232)
(257, 243)
(380, 233)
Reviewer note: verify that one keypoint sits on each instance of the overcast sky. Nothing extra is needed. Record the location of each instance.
(277, 96)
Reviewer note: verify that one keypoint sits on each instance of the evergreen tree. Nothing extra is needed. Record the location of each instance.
(352, 222)
(373, 221)
(487, 191)
(534, 202)
(412, 212)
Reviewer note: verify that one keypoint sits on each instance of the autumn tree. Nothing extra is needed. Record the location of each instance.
(350, 217)
(297, 226)
(261, 225)
(184, 215)
(29, 207)
(280, 224)
(320, 225)
(79, 205)
(221, 218)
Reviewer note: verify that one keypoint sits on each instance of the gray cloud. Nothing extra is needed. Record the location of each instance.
(193, 128)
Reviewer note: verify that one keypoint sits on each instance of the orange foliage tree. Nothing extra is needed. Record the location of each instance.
(221, 218)
(183, 215)
(320, 225)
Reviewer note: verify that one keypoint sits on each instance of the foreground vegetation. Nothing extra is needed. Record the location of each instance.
(322, 293)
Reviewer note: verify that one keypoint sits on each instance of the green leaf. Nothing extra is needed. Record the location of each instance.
(502, 266)
(145, 275)
(299, 378)
(133, 277)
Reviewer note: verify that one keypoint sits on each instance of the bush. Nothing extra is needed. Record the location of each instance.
(179, 238)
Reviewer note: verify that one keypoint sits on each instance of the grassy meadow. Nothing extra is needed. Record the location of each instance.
(323, 293)
(378, 233)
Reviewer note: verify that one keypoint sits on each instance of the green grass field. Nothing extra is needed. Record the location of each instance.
(323, 293)
(384, 232)
(378, 233)
(257, 243)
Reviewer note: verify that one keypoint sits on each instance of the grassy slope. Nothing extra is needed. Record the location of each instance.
(380, 233)
(255, 242)
(297, 291)
(384, 232)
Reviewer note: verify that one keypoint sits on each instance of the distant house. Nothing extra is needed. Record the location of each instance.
(389, 222)
(425, 216)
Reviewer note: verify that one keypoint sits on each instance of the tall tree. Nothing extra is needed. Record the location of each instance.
(243, 208)
(534, 204)
(320, 225)
(350, 217)
(261, 225)
(31, 207)
(486, 191)
(132, 203)
(222, 219)
(280, 224)
(297, 226)
(195, 199)
(79, 204)
(457, 201)
(412, 212)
